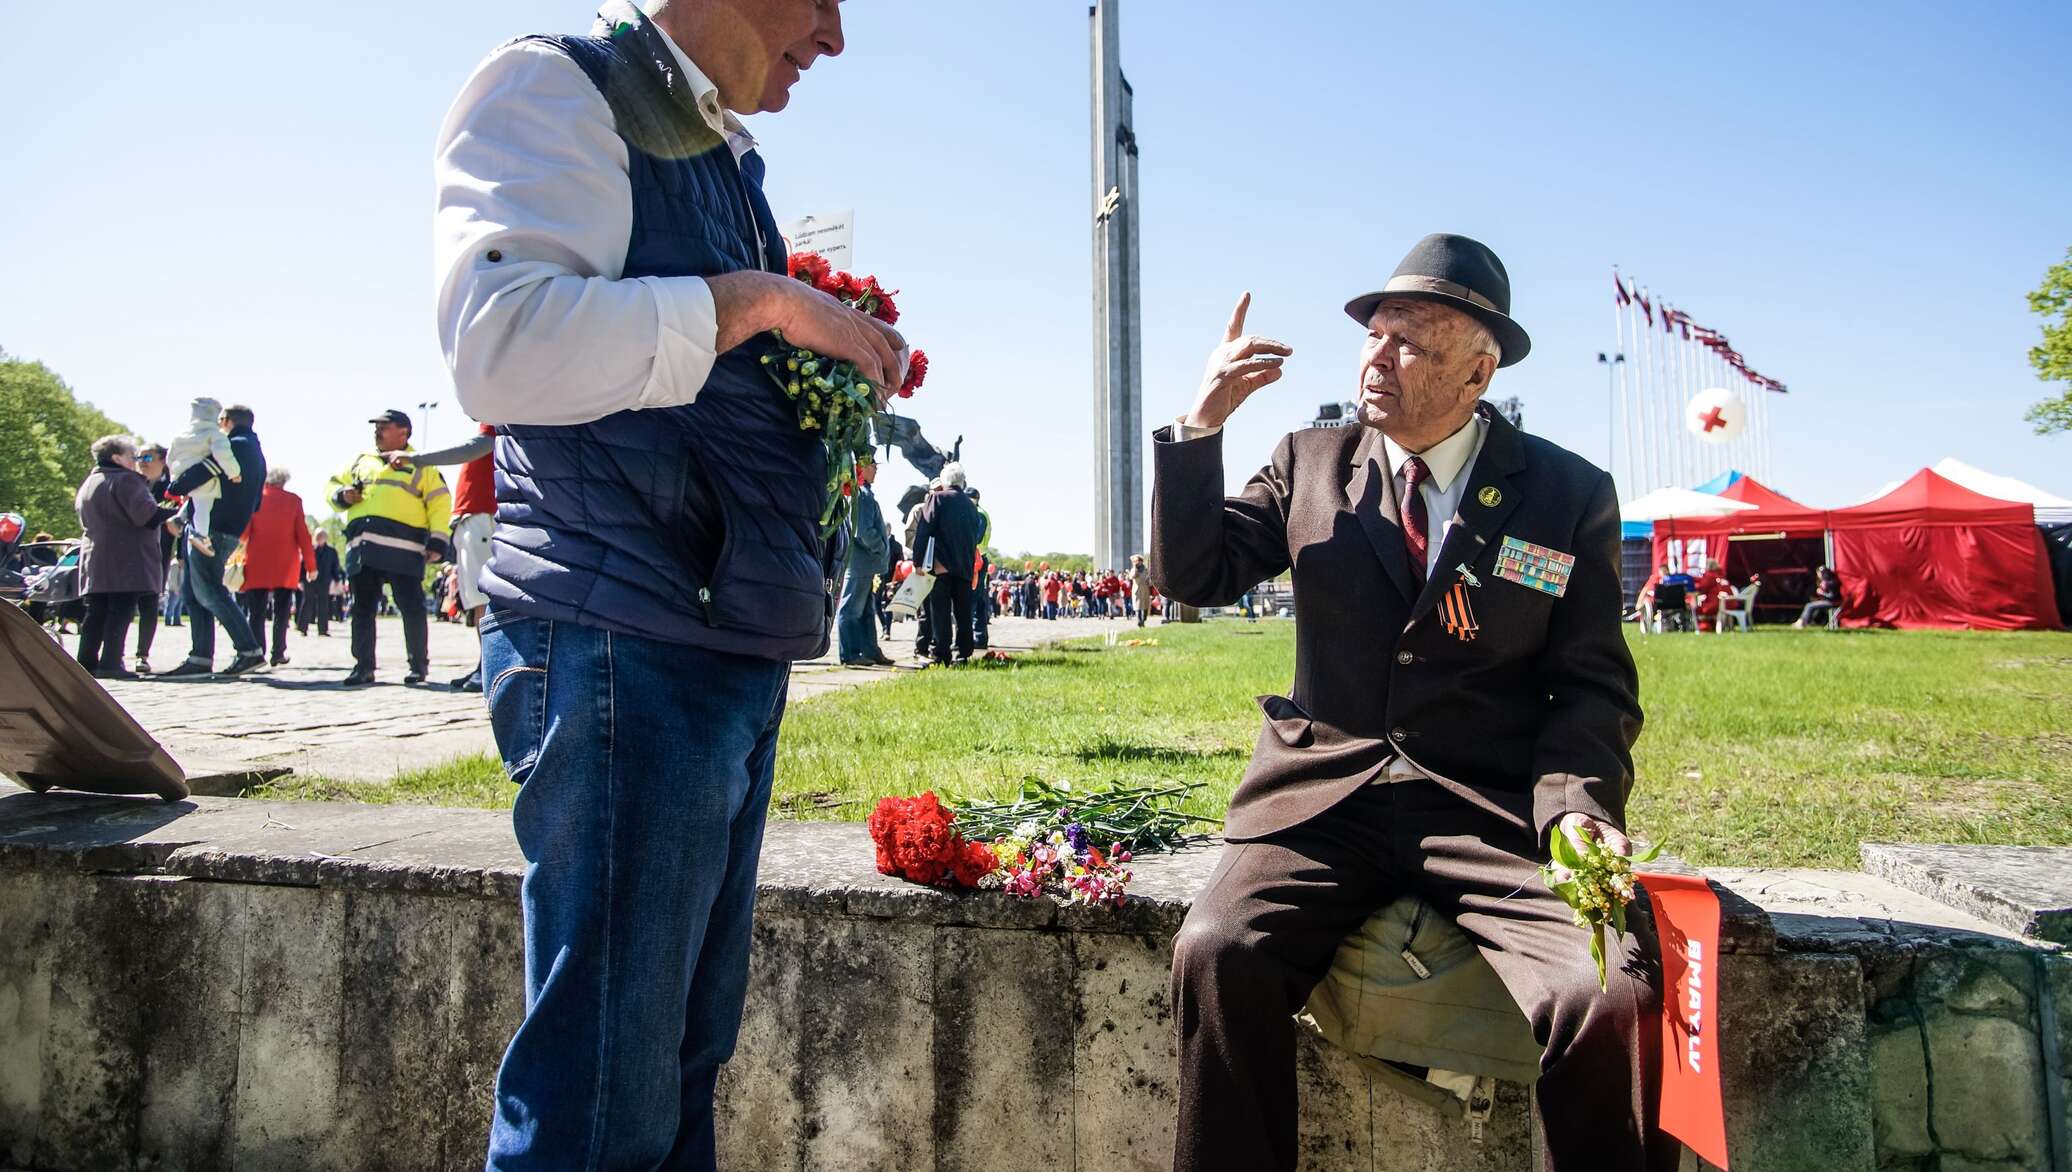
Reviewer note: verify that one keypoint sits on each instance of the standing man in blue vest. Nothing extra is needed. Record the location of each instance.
(609, 274)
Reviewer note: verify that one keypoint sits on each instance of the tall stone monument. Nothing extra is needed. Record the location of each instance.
(1118, 353)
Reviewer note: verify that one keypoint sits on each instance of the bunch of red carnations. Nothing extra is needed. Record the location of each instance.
(917, 840)
(832, 396)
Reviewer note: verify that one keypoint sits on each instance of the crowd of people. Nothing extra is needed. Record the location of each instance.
(945, 528)
(1044, 593)
(200, 530)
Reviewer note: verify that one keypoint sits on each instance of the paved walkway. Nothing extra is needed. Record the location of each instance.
(298, 717)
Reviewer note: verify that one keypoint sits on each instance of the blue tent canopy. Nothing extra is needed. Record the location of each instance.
(1720, 483)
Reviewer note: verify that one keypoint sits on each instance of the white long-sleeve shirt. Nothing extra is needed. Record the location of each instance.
(534, 213)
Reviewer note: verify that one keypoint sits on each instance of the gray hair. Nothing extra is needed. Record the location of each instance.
(1482, 341)
(953, 475)
(277, 476)
(108, 447)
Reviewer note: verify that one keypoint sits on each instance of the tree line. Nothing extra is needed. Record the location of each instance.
(46, 441)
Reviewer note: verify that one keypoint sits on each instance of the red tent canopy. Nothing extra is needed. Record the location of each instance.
(1773, 513)
(1780, 539)
(1932, 553)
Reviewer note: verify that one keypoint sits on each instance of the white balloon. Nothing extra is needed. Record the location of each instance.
(1716, 416)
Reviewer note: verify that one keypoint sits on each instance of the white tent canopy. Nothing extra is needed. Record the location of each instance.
(2051, 509)
(1678, 502)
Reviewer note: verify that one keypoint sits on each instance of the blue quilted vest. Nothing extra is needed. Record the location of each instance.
(696, 524)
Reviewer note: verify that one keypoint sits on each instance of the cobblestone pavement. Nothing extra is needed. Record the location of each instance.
(298, 716)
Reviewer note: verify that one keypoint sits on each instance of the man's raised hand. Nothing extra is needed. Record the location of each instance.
(1241, 365)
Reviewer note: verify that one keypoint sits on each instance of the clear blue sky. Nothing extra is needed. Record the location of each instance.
(1860, 195)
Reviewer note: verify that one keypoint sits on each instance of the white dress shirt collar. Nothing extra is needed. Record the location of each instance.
(1445, 459)
(718, 117)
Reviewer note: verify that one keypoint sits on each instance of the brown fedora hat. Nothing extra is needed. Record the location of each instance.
(1456, 271)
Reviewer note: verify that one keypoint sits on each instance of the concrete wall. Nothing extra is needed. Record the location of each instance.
(230, 985)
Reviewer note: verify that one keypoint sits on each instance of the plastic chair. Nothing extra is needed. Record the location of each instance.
(1738, 606)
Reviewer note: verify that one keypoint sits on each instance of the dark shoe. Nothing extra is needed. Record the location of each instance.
(882, 661)
(471, 682)
(278, 660)
(143, 667)
(116, 673)
(243, 664)
(360, 677)
(414, 676)
(188, 668)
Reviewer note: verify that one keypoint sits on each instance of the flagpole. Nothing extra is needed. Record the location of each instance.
(1680, 377)
(1673, 379)
(1762, 437)
(1766, 433)
(1615, 407)
(1641, 455)
(1767, 438)
(1750, 432)
(1634, 477)
(1680, 370)
(1651, 408)
(1647, 343)
(1739, 448)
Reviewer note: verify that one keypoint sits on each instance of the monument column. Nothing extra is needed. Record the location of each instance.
(1119, 436)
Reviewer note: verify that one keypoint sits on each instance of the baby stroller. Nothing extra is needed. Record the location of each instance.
(50, 582)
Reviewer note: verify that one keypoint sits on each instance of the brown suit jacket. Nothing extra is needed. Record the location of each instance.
(1543, 698)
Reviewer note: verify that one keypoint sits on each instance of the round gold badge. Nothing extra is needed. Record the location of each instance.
(1490, 497)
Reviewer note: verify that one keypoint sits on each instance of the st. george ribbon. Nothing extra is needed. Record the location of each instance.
(1687, 923)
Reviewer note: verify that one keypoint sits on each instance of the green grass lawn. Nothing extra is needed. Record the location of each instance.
(1783, 748)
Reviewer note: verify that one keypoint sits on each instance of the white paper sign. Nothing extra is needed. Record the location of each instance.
(833, 236)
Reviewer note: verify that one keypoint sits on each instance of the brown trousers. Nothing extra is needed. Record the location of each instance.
(1263, 934)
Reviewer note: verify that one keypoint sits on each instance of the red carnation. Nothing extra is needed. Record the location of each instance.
(974, 861)
(881, 306)
(810, 267)
(917, 369)
(846, 286)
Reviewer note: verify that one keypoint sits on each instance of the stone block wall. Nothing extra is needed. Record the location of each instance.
(248, 986)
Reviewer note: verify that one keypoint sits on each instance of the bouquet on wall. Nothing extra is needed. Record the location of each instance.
(1043, 843)
(832, 396)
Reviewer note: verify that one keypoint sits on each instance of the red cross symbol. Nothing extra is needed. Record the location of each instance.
(1712, 419)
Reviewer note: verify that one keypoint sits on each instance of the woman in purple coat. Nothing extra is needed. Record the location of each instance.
(118, 560)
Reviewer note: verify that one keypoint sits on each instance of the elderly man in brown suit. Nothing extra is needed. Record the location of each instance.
(1462, 691)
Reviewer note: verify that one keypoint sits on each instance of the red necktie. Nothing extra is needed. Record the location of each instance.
(1416, 521)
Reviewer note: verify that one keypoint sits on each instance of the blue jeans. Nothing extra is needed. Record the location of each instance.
(856, 628)
(210, 602)
(644, 774)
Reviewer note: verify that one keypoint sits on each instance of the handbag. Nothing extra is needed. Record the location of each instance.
(907, 600)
